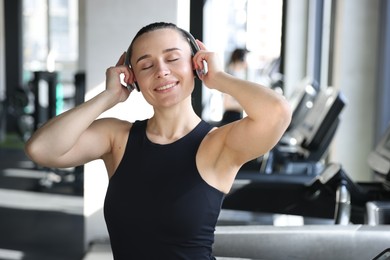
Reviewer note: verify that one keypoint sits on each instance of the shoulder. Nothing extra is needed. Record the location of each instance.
(111, 124)
(111, 120)
(117, 132)
(111, 130)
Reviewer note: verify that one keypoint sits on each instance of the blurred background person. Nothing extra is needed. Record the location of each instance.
(237, 66)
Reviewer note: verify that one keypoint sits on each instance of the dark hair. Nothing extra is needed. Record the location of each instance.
(238, 55)
(152, 27)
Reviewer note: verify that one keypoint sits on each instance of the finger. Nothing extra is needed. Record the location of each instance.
(121, 60)
(201, 45)
(199, 61)
(129, 76)
(119, 72)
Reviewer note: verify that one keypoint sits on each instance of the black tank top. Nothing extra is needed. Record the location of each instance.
(157, 205)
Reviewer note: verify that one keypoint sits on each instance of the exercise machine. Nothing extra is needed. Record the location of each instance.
(360, 214)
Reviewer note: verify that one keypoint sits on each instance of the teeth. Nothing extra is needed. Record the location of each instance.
(166, 86)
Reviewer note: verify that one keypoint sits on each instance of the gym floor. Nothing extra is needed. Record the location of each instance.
(36, 222)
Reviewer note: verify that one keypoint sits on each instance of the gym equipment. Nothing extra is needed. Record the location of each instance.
(41, 115)
(379, 158)
(57, 177)
(378, 212)
(360, 213)
(304, 146)
(302, 100)
(330, 194)
(320, 242)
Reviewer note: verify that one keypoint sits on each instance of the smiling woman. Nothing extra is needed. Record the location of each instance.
(168, 173)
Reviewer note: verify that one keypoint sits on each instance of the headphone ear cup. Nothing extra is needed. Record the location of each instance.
(194, 49)
(134, 85)
(196, 73)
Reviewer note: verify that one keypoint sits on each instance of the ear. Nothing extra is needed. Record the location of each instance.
(193, 67)
(134, 85)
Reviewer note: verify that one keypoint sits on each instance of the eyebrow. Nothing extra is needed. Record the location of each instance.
(164, 51)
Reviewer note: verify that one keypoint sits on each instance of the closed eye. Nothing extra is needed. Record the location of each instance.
(146, 67)
(172, 60)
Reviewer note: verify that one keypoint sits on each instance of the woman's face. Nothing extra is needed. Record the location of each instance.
(163, 68)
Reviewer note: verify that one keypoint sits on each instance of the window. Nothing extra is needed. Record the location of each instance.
(255, 25)
(50, 37)
(50, 43)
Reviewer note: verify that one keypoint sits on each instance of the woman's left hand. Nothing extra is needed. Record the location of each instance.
(212, 64)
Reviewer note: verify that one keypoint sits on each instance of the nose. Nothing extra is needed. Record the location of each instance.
(162, 69)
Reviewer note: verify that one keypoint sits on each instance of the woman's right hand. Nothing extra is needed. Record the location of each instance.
(113, 79)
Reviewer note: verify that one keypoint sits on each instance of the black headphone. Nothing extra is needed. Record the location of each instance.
(194, 49)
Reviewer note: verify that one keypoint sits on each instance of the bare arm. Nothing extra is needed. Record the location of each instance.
(75, 136)
(269, 115)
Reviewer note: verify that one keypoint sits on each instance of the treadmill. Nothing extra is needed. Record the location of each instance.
(360, 212)
(302, 148)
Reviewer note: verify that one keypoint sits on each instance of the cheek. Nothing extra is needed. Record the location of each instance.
(186, 69)
(189, 73)
(142, 78)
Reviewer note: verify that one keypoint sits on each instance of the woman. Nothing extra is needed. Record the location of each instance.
(169, 173)
(238, 65)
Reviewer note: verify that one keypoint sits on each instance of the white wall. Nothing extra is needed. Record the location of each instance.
(355, 75)
(109, 28)
(296, 44)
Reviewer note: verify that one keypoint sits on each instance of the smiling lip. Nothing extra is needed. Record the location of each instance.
(165, 87)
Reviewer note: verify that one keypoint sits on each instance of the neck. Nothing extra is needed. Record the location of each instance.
(169, 125)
